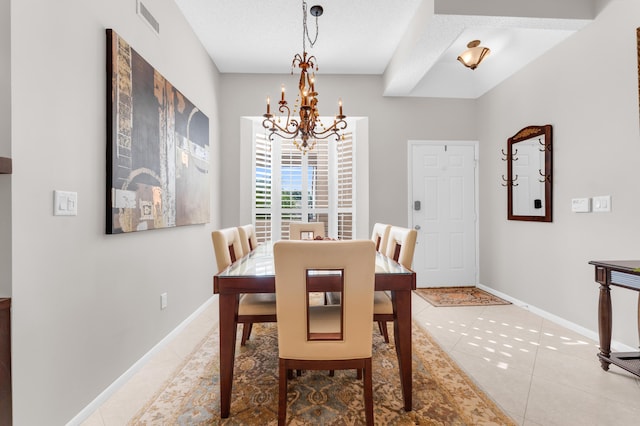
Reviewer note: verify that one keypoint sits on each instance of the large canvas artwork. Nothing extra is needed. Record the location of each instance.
(157, 148)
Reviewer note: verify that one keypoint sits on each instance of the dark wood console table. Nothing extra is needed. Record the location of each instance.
(5, 166)
(620, 273)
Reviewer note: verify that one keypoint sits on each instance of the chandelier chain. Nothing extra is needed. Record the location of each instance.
(305, 29)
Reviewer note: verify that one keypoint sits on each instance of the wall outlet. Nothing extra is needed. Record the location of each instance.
(163, 300)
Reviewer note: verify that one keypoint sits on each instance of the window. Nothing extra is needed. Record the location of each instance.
(290, 186)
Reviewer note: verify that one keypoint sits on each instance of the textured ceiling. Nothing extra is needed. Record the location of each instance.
(413, 44)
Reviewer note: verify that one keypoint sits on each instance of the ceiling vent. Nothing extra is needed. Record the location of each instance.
(147, 17)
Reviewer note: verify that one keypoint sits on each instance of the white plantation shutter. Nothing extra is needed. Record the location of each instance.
(291, 187)
(346, 181)
(314, 187)
(262, 193)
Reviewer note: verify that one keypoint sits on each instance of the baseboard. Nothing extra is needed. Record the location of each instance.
(127, 375)
(590, 334)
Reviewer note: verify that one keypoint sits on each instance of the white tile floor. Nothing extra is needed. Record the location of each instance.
(540, 373)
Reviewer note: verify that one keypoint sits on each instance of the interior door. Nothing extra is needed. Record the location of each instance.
(443, 195)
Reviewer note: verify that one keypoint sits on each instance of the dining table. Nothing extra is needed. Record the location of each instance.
(254, 273)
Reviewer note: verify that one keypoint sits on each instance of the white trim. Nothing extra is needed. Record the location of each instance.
(590, 334)
(476, 156)
(127, 375)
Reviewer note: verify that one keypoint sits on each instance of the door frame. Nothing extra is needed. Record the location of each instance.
(475, 144)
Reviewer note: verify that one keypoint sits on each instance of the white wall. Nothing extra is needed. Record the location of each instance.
(587, 88)
(392, 122)
(5, 148)
(86, 306)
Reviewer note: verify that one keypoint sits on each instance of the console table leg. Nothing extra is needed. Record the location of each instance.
(604, 325)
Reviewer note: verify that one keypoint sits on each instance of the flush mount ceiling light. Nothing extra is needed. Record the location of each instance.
(305, 131)
(474, 54)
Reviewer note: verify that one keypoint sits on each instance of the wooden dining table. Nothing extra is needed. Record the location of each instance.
(254, 273)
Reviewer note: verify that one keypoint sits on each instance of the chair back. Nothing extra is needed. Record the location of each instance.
(293, 260)
(227, 246)
(247, 238)
(401, 245)
(380, 236)
(306, 230)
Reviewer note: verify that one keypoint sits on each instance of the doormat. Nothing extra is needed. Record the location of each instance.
(459, 296)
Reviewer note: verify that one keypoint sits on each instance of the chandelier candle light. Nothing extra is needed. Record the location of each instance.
(308, 129)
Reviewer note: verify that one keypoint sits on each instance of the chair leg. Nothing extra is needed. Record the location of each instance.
(382, 325)
(368, 392)
(282, 392)
(246, 332)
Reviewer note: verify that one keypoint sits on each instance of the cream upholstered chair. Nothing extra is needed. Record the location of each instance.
(226, 246)
(297, 230)
(252, 307)
(400, 247)
(380, 236)
(247, 238)
(324, 337)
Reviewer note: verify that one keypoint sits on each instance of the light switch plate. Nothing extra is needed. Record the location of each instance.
(602, 203)
(581, 205)
(163, 301)
(65, 203)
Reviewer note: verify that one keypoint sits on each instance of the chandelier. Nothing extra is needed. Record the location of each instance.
(303, 125)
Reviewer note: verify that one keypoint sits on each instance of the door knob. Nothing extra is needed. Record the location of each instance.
(417, 227)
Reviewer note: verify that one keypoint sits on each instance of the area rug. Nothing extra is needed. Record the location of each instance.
(442, 393)
(459, 296)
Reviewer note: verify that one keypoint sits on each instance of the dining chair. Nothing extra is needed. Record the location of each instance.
(247, 238)
(306, 230)
(401, 245)
(324, 337)
(252, 307)
(380, 236)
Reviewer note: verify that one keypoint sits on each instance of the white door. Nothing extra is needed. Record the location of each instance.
(443, 197)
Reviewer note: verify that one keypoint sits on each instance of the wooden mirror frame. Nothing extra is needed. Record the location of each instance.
(527, 133)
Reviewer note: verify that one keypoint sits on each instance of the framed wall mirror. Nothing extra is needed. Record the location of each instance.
(529, 165)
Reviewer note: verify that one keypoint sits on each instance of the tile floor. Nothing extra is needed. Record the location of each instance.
(540, 373)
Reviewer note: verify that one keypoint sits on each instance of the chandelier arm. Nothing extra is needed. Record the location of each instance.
(270, 124)
(334, 129)
(285, 135)
(284, 108)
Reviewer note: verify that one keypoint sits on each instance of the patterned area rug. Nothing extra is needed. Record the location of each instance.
(442, 393)
(459, 296)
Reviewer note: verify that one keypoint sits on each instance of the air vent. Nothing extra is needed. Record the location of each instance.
(147, 17)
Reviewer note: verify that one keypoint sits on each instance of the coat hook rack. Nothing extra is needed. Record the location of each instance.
(545, 146)
(505, 156)
(507, 182)
(546, 178)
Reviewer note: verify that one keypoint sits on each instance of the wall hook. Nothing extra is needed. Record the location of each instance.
(505, 156)
(507, 183)
(545, 147)
(547, 178)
